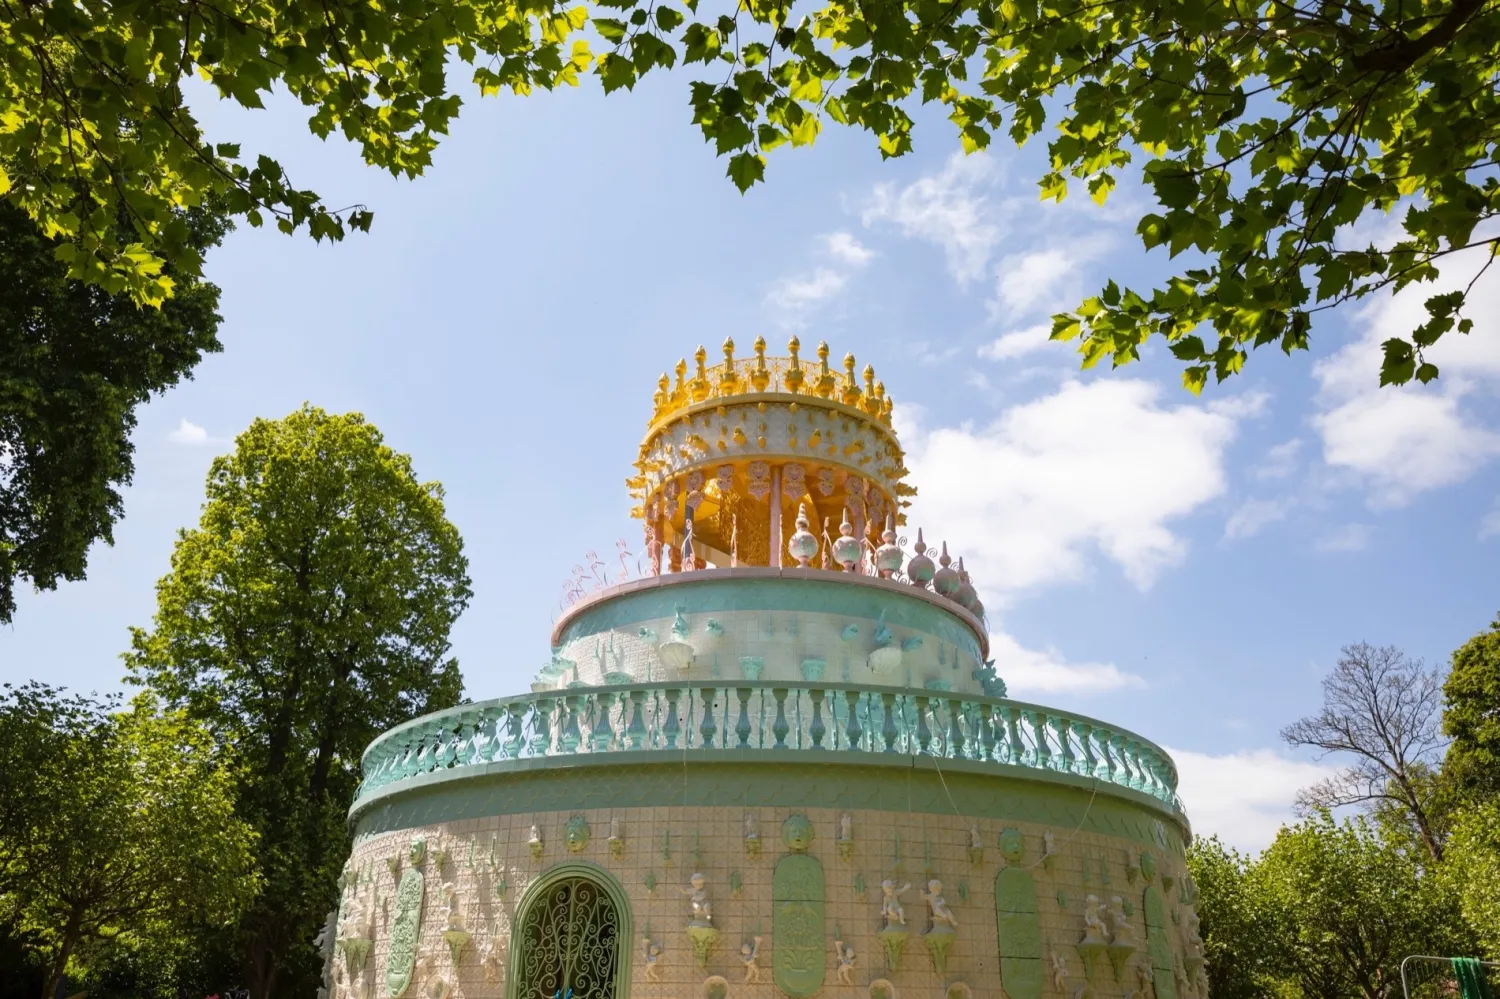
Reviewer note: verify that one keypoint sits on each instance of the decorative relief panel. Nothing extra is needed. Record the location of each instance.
(799, 953)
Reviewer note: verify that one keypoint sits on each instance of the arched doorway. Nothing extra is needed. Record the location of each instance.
(572, 937)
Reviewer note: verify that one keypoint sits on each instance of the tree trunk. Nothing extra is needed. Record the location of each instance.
(64, 951)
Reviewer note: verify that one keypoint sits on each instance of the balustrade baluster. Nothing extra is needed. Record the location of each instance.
(853, 732)
(955, 731)
(816, 729)
(569, 735)
(779, 728)
(447, 747)
(742, 727)
(541, 726)
(888, 729)
(987, 732)
(602, 729)
(1017, 748)
(635, 732)
(1102, 737)
(707, 728)
(673, 728)
(1043, 758)
(1063, 727)
(1127, 765)
(515, 731)
(924, 734)
(1090, 762)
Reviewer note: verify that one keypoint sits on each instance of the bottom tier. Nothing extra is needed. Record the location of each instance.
(904, 884)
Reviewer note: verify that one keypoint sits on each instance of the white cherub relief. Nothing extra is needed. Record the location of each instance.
(976, 842)
(846, 831)
(455, 916)
(938, 906)
(1060, 973)
(844, 954)
(749, 954)
(1049, 844)
(1143, 979)
(703, 913)
(890, 905)
(1124, 933)
(653, 959)
(1093, 923)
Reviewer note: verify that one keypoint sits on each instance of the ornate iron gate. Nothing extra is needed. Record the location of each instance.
(569, 943)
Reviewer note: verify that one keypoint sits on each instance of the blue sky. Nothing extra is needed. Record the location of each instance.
(1187, 567)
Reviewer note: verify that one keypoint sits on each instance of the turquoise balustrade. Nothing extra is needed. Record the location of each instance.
(706, 717)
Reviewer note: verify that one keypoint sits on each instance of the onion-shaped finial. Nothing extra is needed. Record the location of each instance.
(888, 557)
(966, 594)
(946, 580)
(803, 544)
(920, 569)
(846, 548)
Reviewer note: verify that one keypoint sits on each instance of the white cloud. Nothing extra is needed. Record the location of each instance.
(1018, 343)
(1102, 466)
(845, 248)
(1399, 442)
(1253, 515)
(793, 299)
(1280, 460)
(1044, 280)
(188, 433)
(1028, 672)
(1344, 538)
(946, 209)
(1243, 797)
(1489, 524)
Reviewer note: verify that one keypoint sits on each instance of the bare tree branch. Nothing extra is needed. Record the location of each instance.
(1382, 710)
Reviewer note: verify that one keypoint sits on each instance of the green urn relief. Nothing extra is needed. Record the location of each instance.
(406, 927)
(1019, 931)
(1157, 943)
(799, 951)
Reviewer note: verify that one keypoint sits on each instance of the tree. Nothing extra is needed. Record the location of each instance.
(1473, 868)
(1472, 715)
(1239, 935)
(1351, 905)
(308, 611)
(1265, 131)
(75, 362)
(1381, 709)
(130, 833)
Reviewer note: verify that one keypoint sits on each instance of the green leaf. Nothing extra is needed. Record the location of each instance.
(746, 169)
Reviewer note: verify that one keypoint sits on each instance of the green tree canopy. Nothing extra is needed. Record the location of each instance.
(1471, 717)
(1239, 935)
(127, 827)
(1349, 904)
(75, 362)
(308, 611)
(1473, 867)
(1263, 130)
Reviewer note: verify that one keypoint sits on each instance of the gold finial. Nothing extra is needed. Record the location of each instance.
(663, 385)
(679, 391)
(729, 382)
(793, 378)
(851, 393)
(885, 410)
(699, 385)
(826, 381)
(871, 402)
(760, 377)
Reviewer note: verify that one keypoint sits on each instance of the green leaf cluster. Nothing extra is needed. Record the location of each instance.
(307, 612)
(117, 829)
(75, 362)
(1471, 717)
(1263, 130)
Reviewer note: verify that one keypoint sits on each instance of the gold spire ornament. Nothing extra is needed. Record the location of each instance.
(729, 382)
(793, 378)
(850, 395)
(760, 375)
(826, 380)
(699, 385)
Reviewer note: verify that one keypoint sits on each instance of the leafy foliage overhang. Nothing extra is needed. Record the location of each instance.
(1263, 128)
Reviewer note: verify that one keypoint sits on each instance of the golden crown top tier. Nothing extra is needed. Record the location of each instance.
(735, 448)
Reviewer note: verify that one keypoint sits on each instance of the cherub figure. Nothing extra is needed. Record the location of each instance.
(1093, 923)
(846, 831)
(890, 905)
(1143, 979)
(1123, 931)
(976, 842)
(455, 917)
(1049, 844)
(938, 906)
(653, 957)
(1060, 973)
(749, 954)
(698, 894)
(844, 954)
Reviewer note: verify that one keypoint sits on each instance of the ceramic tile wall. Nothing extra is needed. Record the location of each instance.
(666, 845)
